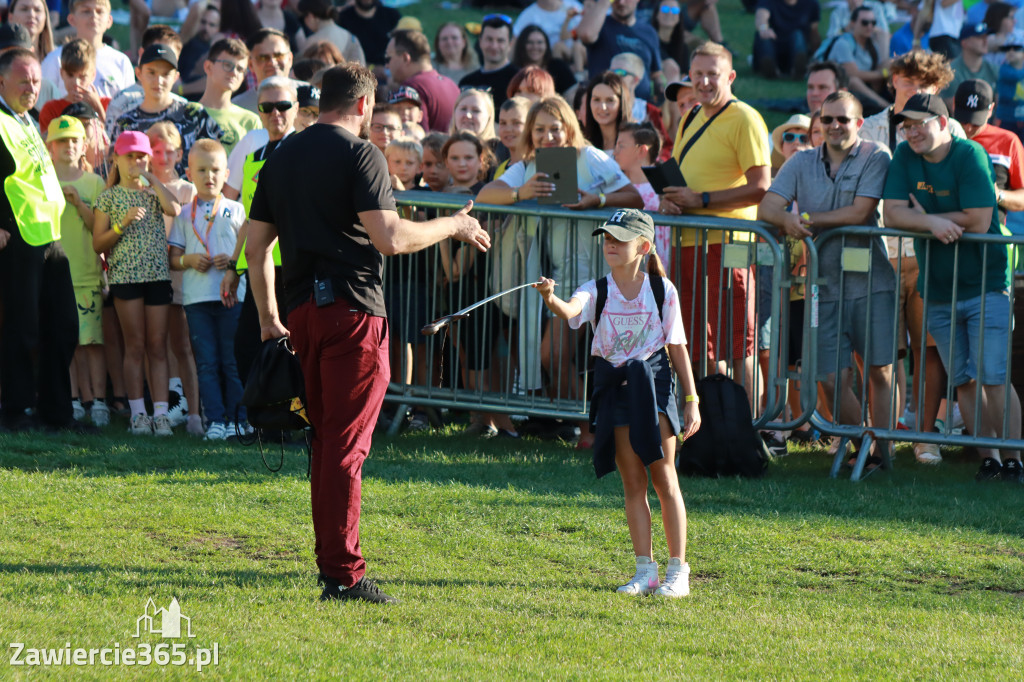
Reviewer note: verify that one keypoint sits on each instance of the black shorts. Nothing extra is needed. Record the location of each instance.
(151, 293)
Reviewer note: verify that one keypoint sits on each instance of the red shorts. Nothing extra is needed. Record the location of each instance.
(730, 332)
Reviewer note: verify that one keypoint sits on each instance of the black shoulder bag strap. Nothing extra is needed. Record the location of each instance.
(700, 131)
(602, 298)
(892, 131)
(657, 288)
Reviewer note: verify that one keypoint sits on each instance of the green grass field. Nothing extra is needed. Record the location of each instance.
(505, 557)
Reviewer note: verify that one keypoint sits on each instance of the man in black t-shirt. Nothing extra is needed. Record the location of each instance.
(372, 23)
(326, 195)
(497, 71)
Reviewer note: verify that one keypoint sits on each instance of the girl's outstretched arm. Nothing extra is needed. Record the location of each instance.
(680, 357)
(564, 309)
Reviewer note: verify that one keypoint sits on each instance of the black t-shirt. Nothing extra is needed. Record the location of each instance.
(785, 19)
(313, 189)
(373, 33)
(562, 74)
(496, 80)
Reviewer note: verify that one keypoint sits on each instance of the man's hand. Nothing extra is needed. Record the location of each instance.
(667, 207)
(274, 330)
(683, 197)
(946, 231)
(468, 229)
(220, 261)
(795, 226)
(5, 236)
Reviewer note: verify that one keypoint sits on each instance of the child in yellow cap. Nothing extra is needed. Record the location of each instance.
(65, 141)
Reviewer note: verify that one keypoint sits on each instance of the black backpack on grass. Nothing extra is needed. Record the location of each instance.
(726, 443)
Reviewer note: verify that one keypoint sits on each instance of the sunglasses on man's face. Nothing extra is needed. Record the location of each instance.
(267, 107)
(622, 73)
(842, 120)
(795, 137)
(868, 22)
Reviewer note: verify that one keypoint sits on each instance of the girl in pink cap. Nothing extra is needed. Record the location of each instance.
(129, 226)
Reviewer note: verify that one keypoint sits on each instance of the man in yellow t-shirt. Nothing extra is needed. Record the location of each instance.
(727, 171)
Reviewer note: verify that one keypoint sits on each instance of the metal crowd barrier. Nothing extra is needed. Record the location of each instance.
(855, 258)
(494, 361)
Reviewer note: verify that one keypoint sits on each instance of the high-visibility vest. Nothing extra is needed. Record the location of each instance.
(250, 178)
(33, 188)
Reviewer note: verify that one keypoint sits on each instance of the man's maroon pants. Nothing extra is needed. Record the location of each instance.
(344, 355)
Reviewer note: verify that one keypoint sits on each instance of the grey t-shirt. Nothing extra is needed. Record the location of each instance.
(847, 49)
(805, 180)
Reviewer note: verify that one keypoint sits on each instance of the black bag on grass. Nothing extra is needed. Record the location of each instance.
(275, 392)
(726, 443)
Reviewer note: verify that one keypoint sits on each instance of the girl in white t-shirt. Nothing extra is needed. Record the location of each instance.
(633, 379)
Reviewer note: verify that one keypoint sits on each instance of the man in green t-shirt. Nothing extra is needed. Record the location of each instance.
(944, 186)
(225, 67)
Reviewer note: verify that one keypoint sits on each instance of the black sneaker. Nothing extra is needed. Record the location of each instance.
(364, 590)
(990, 469)
(1013, 471)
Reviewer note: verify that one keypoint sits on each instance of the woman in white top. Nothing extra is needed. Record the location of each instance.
(569, 248)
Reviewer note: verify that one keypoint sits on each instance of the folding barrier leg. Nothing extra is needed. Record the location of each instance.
(862, 457)
(837, 463)
(401, 412)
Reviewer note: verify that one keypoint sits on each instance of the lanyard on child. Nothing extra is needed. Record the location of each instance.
(209, 223)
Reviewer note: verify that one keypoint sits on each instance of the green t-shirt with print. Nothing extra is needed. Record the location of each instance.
(964, 179)
(76, 237)
(235, 122)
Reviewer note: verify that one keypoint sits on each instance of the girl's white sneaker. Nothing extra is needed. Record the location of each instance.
(645, 581)
(677, 579)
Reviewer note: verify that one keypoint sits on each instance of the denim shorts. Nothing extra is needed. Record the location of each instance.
(844, 327)
(968, 330)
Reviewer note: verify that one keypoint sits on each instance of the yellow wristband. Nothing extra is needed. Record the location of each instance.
(692, 398)
(181, 262)
(116, 227)
(601, 200)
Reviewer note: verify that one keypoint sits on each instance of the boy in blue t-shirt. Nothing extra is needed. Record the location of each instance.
(202, 240)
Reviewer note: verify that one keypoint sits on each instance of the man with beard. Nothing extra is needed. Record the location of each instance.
(372, 23)
(408, 59)
(326, 194)
(193, 52)
(835, 185)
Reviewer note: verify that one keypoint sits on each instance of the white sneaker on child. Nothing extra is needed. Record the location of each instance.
(99, 413)
(216, 431)
(645, 581)
(142, 425)
(77, 410)
(162, 426)
(677, 579)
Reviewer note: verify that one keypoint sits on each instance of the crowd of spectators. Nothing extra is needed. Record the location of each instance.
(157, 146)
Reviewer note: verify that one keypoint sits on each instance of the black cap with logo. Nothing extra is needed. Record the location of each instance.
(158, 53)
(971, 103)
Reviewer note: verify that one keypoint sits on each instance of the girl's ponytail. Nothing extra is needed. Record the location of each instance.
(655, 268)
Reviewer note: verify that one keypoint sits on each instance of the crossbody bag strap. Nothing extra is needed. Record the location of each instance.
(700, 131)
